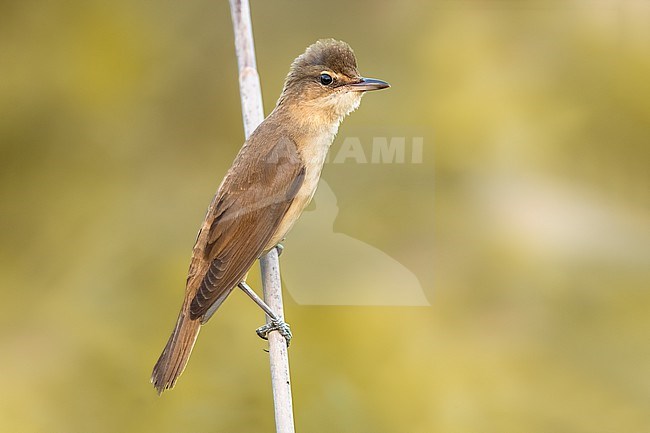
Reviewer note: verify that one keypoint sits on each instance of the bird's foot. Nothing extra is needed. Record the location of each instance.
(279, 248)
(275, 325)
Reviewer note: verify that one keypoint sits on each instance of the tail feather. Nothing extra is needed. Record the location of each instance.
(174, 357)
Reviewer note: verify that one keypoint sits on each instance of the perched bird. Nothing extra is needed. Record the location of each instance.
(270, 183)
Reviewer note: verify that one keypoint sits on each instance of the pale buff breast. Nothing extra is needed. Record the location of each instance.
(322, 122)
(313, 154)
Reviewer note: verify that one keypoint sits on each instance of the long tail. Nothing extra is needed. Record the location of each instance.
(174, 357)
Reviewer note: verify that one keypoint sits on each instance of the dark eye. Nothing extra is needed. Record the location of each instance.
(326, 79)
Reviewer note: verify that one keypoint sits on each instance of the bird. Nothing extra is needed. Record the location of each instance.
(271, 181)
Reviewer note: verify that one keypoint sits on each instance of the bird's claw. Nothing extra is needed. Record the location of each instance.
(279, 248)
(275, 325)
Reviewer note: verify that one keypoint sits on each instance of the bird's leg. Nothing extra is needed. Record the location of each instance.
(275, 324)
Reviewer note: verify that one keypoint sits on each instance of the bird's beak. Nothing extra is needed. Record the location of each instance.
(365, 84)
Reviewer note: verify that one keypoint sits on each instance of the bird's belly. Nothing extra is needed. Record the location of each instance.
(313, 168)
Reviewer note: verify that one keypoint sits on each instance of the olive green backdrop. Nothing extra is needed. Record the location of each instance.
(527, 223)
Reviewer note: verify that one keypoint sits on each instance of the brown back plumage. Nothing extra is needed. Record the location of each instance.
(254, 197)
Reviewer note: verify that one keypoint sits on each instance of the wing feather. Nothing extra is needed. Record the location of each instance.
(247, 210)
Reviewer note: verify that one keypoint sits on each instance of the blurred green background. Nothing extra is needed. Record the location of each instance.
(527, 223)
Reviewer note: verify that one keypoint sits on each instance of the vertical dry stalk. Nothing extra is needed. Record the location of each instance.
(253, 114)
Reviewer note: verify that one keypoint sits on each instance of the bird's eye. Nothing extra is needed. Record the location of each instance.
(326, 79)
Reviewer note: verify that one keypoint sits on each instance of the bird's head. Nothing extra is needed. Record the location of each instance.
(324, 81)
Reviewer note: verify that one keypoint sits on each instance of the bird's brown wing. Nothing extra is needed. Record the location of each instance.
(248, 208)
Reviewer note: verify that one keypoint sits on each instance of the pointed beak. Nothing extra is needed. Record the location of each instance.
(365, 84)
